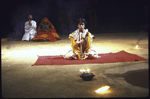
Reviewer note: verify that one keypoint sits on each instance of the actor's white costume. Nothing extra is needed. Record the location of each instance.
(87, 49)
(30, 30)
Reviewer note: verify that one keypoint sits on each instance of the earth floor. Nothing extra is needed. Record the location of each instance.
(22, 80)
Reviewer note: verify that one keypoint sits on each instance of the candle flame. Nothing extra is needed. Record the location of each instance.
(137, 46)
(103, 90)
(83, 70)
(88, 70)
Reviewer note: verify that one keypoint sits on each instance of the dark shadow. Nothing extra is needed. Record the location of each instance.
(139, 77)
(136, 77)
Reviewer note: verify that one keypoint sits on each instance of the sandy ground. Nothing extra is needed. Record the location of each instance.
(22, 80)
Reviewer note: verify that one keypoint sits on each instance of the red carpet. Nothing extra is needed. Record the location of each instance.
(121, 56)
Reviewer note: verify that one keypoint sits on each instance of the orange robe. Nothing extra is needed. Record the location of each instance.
(85, 47)
(49, 34)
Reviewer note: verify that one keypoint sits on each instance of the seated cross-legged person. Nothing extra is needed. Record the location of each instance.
(81, 40)
(30, 29)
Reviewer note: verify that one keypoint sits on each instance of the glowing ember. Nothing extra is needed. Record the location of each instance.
(103, 90)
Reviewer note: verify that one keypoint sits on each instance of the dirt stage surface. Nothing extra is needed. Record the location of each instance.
(22, 80)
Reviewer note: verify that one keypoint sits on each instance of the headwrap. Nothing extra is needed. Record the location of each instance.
(49, 23)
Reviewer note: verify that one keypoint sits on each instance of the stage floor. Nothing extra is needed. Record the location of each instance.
(22, 80)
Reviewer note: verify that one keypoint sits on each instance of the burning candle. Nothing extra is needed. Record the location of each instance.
(88, 70)
(83, 70)
(137, 46)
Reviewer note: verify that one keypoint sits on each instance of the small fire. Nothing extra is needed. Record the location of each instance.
(137, 46)
(83, 70)
(88, 70)
(103, 90)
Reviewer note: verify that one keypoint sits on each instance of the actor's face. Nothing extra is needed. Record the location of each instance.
(81, 26)
(30, 16)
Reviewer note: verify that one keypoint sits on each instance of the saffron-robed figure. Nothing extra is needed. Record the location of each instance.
(81, 43)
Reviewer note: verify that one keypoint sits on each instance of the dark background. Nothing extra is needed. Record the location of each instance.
(102, 16)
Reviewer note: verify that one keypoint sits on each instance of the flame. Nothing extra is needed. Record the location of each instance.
(83, 70)
(137, 46)
(103, 90)
(88, 70)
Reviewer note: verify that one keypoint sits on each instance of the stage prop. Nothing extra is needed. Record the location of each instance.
(87, 76)
(121, 56)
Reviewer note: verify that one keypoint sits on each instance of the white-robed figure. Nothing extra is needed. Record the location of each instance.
(30, 29)
(81, 40)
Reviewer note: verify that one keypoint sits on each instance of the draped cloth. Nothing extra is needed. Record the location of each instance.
(46, 31)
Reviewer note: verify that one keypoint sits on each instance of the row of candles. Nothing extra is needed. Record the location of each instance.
(85, 70)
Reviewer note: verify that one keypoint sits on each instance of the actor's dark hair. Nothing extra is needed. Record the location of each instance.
(81, 20)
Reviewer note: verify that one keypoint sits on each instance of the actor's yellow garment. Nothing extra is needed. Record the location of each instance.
(74, 38)
(75, 45)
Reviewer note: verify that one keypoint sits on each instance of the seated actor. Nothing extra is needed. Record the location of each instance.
(46, 31)
(81, 40)
(30, 29)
